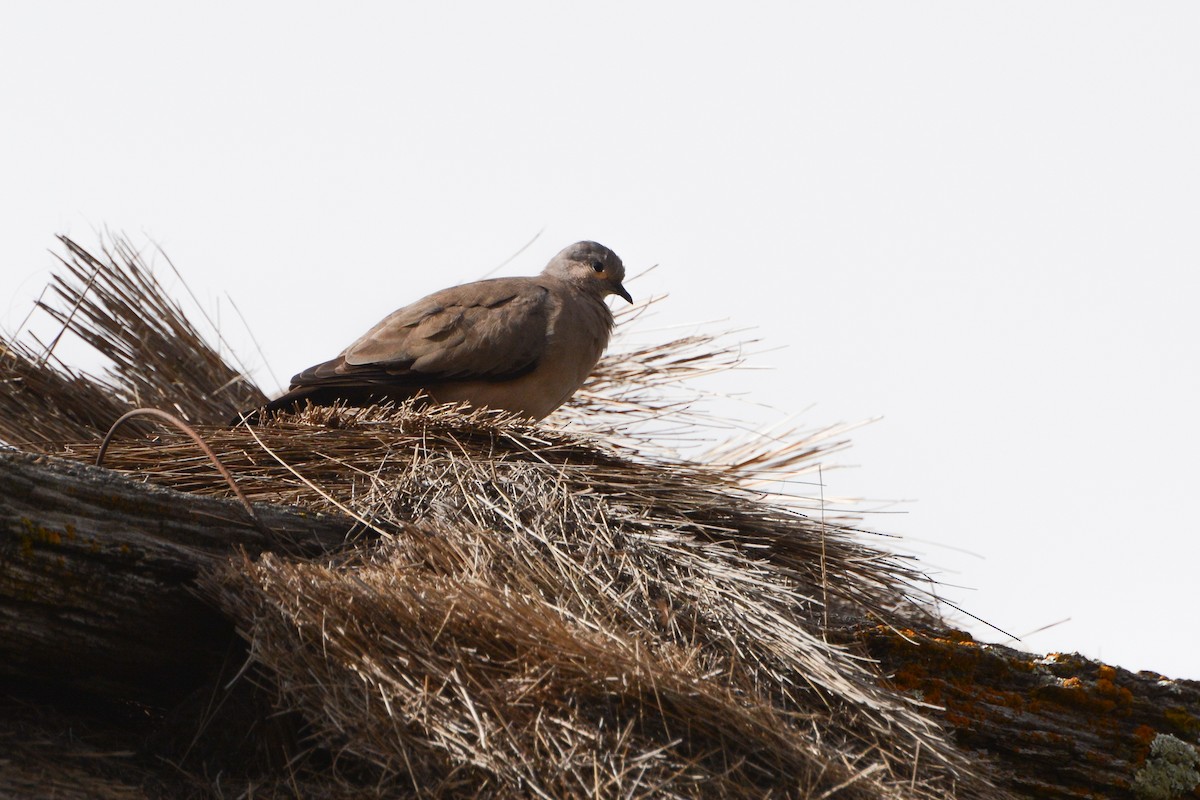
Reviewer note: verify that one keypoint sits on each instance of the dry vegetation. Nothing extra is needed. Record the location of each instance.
(567, 609)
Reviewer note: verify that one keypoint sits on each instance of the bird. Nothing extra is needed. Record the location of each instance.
(522, 345)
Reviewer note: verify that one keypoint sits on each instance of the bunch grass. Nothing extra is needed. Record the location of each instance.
(563, 609)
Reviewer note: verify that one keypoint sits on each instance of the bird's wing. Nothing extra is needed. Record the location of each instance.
(489, 330)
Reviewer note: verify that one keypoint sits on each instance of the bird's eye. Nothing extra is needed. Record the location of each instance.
(598, 266)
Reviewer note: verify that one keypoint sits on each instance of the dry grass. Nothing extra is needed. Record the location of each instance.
(556, 610)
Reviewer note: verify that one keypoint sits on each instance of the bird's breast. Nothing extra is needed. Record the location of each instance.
(578, 333)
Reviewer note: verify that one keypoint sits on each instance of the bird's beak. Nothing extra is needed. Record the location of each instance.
(619, 291)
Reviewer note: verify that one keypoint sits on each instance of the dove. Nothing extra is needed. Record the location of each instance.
(522, 345)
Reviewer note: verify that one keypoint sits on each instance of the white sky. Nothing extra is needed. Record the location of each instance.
(981, 222)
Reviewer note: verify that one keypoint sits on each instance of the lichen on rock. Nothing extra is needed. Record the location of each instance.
(1170, 770)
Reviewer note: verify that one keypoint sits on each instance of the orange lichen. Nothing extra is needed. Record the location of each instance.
(999, 697)
(1183, 721)
(1118, 694)
(1144, 734)
(952, 671)
(957, 720)
(960, 637)
(37, 534)
(909, 677)
(1072, 695)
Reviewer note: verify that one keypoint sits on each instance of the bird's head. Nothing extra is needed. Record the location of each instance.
(592, 267)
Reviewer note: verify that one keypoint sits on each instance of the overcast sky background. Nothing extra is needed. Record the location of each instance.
(978, 221)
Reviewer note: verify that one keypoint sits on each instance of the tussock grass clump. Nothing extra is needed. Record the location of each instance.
(563, 609)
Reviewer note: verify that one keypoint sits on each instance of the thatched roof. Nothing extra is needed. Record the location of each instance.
(563, 609)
